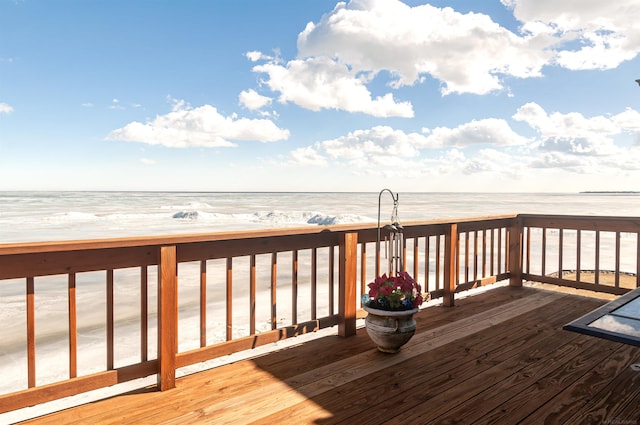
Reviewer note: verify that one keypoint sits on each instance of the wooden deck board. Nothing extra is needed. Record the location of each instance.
(497, 357)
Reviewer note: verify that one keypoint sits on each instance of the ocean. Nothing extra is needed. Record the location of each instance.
(49, 216)
(54, 216)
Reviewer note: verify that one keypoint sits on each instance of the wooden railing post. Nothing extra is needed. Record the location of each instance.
(167, 317)
(348, 271)
(450, 253)
(515, 252)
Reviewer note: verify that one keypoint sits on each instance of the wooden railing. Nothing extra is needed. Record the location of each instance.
(199, 297)
(571, 245)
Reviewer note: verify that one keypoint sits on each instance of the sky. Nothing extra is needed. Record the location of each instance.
(317, 95)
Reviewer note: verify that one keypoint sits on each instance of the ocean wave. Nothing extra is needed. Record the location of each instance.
(327, 220)
(273, 217)
(194, 205)
(186, 215)
(284, 217)
(201, 215)
(308, 217)
(73, 216)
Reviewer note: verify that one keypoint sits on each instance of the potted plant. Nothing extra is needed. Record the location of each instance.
(391, 304)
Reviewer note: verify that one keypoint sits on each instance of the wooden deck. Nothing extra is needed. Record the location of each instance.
(497, 357)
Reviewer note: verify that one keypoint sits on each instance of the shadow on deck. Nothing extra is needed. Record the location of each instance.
(497, 357)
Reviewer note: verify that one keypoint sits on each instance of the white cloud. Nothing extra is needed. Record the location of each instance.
(379, 141)
(591, 34)
(339, 55)
(490, 131)
(5, 108)
(254, 56)
(147, 161)
(380, 149)
(204, 126)
(574, 133)
(115, 104)
(628, 160)
(489, 161)
(322, 83)
(307, 156)
(252, 100)
(385, 147)
(561, 160)
(467, 52)
(628, 120)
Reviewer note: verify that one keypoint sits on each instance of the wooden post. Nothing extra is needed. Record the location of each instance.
(450, 253)
(515, 253)
(348, 272)
(167, 317)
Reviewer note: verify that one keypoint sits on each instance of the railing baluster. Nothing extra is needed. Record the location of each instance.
(73, 327)
(332, 268)
(404, 255)
(476, 255)
(451, 244)
(499, 246)
(416, 253)
(274, 290)
(378, 256)
(560, 251)
(438, 261)
(229, 298)
(110, 332)
(492, 253)
(252, 294)
(203, 303)
(597, 271)
(507, 252)
(144, 313)
(427, 248)
(314, 283)
(578, 254)
(31, 333)
(484, 252)
(528, 262)
(544, 251)
(617, 267)
(466, 256)
(363, 270)
(294, 287)
(455, 259)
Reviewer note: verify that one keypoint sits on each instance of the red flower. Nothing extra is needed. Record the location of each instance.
(387, 289)
(399, 292)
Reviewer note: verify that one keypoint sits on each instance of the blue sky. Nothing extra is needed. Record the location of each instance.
(197, 95)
